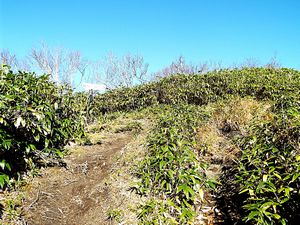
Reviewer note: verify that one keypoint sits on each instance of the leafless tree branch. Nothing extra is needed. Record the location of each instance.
(114, 71)
(8, 58)
(179, 66)
(61, 64)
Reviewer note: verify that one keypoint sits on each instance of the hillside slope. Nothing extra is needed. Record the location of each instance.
(264, 177)
(222, 148)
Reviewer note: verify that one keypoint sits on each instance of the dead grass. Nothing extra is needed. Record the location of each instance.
(229, 119)
(216, 140)
(238, 113)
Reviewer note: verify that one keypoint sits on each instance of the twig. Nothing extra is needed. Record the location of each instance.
(48, 194)
(70, 182)
(35, 200)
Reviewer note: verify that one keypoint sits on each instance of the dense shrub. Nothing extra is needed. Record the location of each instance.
(261, 83)
(37, 118)
(269, 170)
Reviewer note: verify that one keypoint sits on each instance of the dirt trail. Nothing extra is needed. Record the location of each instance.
(76, 194)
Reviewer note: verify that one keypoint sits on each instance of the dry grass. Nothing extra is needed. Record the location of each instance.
(216, 140)
(238, 113)
(230, 119)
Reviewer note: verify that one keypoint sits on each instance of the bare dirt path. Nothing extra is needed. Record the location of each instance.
(76, 194)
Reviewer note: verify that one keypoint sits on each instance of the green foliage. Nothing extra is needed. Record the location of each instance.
(158, 212)
(261, 83)
(37, 118)
(269, 170)
(171, 170)
(84, 105)
(4, 178)
(268, 175)
(115, 214)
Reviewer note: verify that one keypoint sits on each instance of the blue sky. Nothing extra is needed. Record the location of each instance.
(212, 30)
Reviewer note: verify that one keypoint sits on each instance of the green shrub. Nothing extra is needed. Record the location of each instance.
(171, 170)
(37, 118)
(261, 83)
(269, 170)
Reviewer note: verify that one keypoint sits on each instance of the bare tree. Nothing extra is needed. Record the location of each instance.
(61, 64)
(114, 71)
(250, 63)
(254, 62)
(179, 66)
(273, 62)
(8, 58)
(214, 65)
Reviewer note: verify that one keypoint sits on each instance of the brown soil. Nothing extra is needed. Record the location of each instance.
(77, 194)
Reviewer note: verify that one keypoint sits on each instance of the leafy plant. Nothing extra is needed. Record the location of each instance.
(171, 170)
(37, 118)
(115, 214)
(269, 171)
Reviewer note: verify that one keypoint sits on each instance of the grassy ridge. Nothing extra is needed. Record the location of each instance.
(280, 85)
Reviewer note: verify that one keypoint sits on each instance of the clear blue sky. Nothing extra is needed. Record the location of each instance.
(160, 30)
